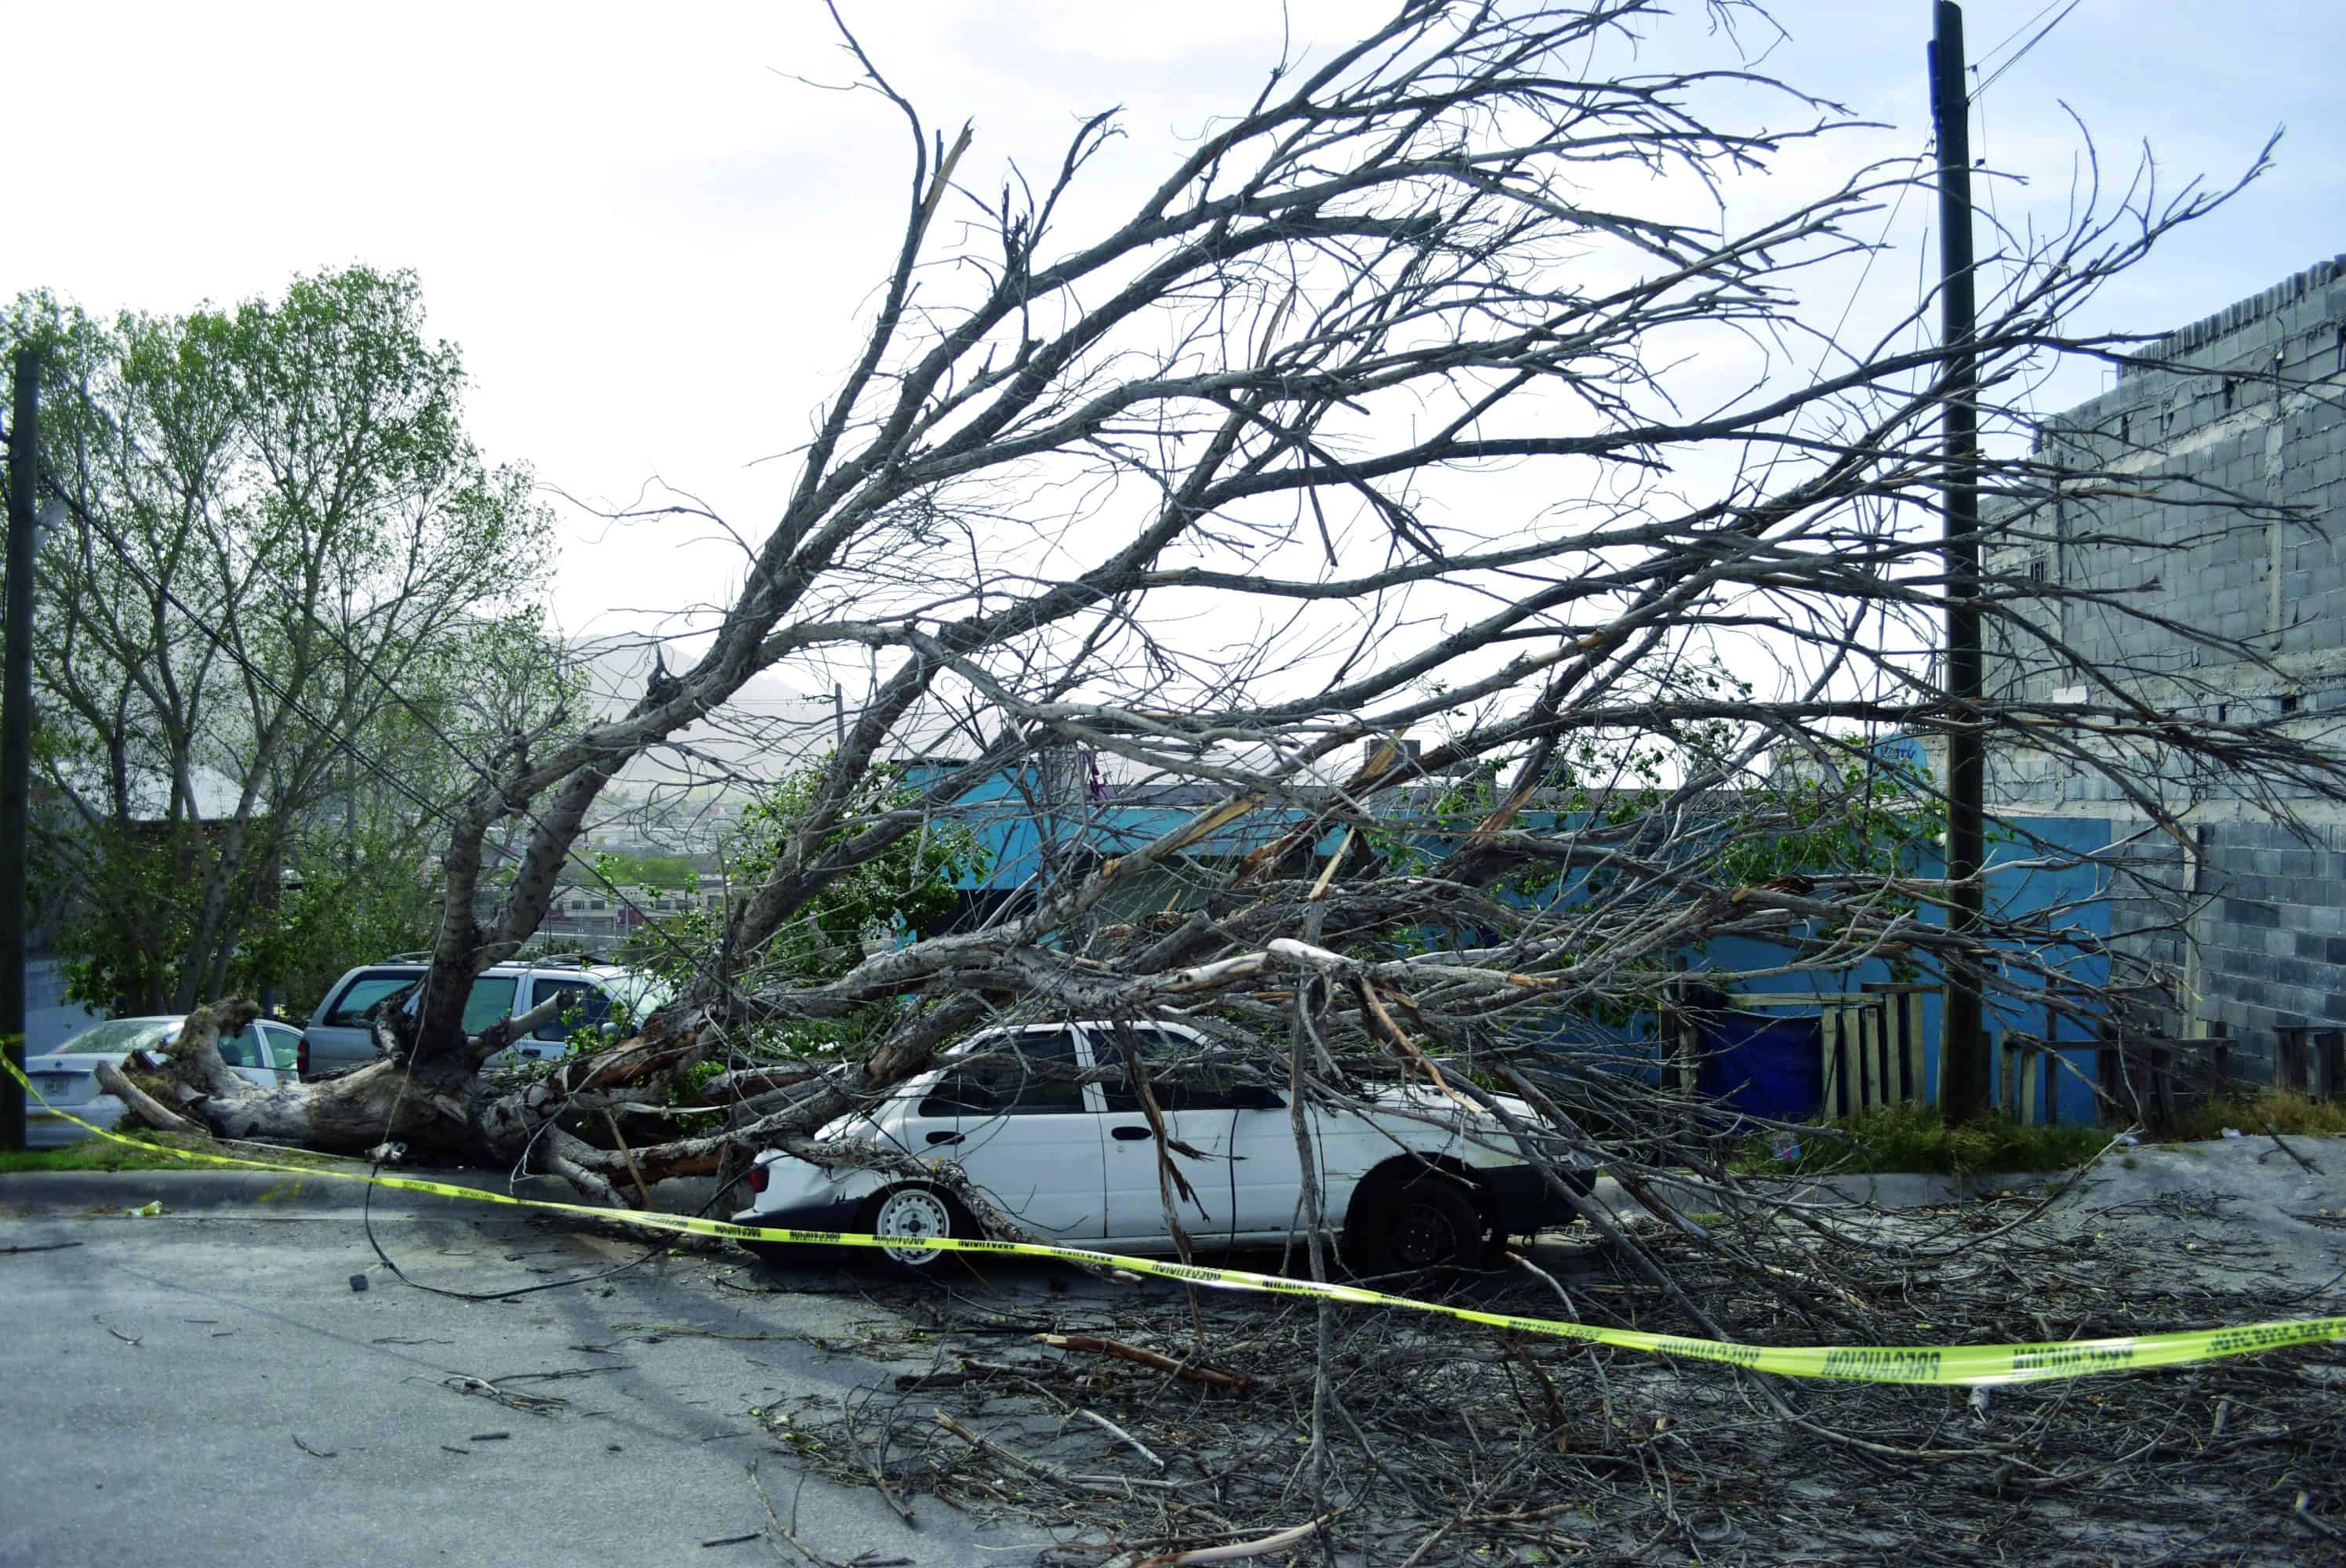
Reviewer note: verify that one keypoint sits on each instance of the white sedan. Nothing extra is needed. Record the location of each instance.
(66, 1076)
(1416, 1181)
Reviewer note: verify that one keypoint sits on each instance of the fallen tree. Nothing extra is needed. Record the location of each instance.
(1212, 494)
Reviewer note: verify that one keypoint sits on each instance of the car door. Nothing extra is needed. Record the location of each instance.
(281, 1048)
(1237, 1150)
(1028, 1139)
(341, 1033)
(247, 1053)
(585, 1005)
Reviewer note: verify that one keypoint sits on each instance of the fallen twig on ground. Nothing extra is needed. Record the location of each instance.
(1187, 1371)
(1458, 1449)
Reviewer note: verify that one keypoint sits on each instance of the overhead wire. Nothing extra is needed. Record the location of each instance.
(2041, 35)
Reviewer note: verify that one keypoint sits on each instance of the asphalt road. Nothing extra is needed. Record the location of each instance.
(204, 1386)
(207, 1388)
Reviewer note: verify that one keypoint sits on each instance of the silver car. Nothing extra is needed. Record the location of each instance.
(263, 1052)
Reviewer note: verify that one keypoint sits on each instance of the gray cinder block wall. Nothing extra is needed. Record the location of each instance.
(2255, 423)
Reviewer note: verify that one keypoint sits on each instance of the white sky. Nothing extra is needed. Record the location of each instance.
(653, 246)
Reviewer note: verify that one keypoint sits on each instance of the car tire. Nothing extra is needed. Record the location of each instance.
(914, 1209)
(1424, 1225)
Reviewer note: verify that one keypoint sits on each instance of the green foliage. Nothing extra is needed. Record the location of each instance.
(685, 1090)
(337, 905)
(1915, 1137)
(142, 1150)
(906, 887)
(289, 598)
(670, 871)
(1860, 823)
(351, 904)
(90, 1155)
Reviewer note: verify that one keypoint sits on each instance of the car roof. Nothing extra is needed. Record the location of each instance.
(510, 966)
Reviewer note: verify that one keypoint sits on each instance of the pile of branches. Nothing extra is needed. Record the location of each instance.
(1400, 768)
(1134, 1430)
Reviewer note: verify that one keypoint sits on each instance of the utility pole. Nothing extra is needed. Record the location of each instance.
(1963, 1075)
(17, 729)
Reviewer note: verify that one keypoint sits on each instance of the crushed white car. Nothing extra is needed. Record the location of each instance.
(1416, 1181)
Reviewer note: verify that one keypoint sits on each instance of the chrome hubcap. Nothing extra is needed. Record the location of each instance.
(912, 1211)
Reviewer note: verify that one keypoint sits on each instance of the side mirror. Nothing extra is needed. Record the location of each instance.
(610, 1031)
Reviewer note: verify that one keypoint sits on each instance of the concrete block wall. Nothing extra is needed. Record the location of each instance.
(2257, 413)
(2274, 939)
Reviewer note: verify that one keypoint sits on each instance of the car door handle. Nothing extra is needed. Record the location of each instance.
(1128, 1133)
(944, 1137)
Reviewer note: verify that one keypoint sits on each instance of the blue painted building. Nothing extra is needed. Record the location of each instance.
(2045, 874)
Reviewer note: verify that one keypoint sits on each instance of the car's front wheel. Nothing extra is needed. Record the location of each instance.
(918, 1211)
(1428, 1222)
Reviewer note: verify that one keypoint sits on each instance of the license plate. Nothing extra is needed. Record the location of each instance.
(57, 1086)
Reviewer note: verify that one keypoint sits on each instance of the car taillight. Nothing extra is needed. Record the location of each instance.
(301, 1058)
(758, 1176)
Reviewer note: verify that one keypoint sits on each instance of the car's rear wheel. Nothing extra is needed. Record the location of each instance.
(916, 1210)
(1426, 1223)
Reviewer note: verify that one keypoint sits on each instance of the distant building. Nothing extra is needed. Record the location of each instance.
(2246, 921)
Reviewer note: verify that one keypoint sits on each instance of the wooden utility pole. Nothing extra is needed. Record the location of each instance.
(1963, 1075)
(17, 729)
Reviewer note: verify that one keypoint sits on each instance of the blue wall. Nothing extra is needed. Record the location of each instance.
(2067, 893)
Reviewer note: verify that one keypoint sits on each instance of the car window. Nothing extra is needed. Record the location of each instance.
(492, 999)
(243, 1049)
(284, 1046)
(579, 996)
(358, 999)
(1184, 1074)
(641, 995)
(1012, 1088)
(123, 1034)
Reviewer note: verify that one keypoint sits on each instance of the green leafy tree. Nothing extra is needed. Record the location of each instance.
(646, 871)
(908, 887)
(282, 568)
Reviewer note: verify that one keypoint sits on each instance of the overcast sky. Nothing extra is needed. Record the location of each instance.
(653, 244)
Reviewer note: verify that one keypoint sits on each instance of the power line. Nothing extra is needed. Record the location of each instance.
(2023, 55)
(2004, 42)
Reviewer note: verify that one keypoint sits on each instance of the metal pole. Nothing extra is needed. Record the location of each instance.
(17, 729)
(1963, 1041)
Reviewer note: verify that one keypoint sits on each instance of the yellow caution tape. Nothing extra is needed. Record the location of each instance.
(1865, 1363)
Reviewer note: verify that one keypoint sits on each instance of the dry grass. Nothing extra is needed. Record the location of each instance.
(1915, 1137)
(2285, 1111)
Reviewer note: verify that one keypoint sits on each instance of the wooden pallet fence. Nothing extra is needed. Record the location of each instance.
(1899, 1022)
(2028, 1071)
(1870, 1041)
(2310, 1061)
(2146, 1079)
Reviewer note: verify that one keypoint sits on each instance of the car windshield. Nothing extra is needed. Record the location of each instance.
(641, 994)
(118, 1034)
(492, 998)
